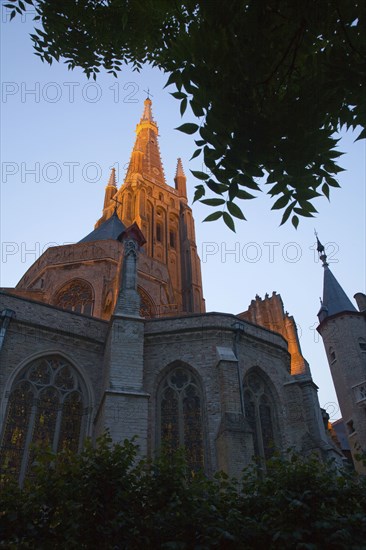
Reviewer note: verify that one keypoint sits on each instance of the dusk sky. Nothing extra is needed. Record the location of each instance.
(61, 135)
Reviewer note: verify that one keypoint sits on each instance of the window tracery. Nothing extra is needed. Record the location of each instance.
(46, 407)
(147, 308)
(260, 413)
(76, 296)
(180, 406)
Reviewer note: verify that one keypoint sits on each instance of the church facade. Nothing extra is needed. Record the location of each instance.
(111, 333)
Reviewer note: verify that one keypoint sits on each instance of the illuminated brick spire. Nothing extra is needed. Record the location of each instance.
(111, 189)
(180, 180)
(145, 158)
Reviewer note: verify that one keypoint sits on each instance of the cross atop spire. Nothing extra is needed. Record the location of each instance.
(148, 93)
(321, 251)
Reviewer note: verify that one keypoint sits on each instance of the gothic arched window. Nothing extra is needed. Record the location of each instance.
(76, 295)
(260, 413)
(147, 307)
(46, 407)
(180, 412)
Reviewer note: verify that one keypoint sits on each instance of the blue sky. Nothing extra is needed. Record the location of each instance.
(61, 134)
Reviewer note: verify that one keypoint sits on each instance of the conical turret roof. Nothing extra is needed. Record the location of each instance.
(335, 300)
(334, 297)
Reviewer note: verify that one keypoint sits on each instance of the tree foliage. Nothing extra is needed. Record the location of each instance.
(105, 498)
(270, 83)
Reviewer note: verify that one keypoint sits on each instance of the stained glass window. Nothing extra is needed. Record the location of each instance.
(260, 411)
(180, 407)
(47, 407)
(77, 295)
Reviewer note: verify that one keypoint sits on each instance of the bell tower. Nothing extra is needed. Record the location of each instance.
(162, 213)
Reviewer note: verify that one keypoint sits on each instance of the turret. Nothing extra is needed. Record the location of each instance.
(110, 190)
(180, 180)
(343, 330)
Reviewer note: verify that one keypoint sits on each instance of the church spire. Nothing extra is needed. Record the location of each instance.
(335, 300)
(180, 179)
(147, 114)
(145, 158)
(110, 190)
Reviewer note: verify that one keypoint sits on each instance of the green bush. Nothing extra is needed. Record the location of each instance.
(105, 498)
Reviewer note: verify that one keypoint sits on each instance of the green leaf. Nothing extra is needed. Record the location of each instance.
(229, 221)
(335, 154)
(281, 202)
(362, 135)
(325, 190)
(303, 212)
(235, 210)
(200, 175)
(280, 187)
(200, 192)
(171, 80)
(196, 153)
(188, 128)
(272, 178)
(196, 108)
(247, 181)
(241, 194)
(217, 188)
(233, 191)
(183, 106)
(287, 213)
(331, 181)
(214, 216)
(213, 202)
(179, 95)
(295, 221)
(254, 170)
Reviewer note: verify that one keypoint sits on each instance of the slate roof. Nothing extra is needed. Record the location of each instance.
(110, 229)
(334, 298)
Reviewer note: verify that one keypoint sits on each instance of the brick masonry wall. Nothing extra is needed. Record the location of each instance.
(39, 329)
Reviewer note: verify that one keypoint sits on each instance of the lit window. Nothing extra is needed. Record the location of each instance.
(46, 408)
(180, 405)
